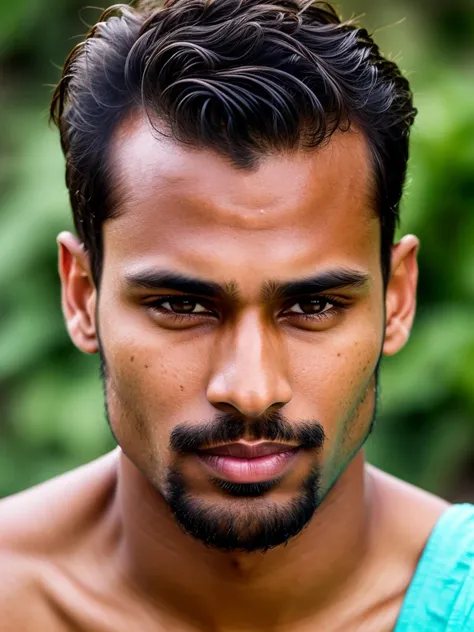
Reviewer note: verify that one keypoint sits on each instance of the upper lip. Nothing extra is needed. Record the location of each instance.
(248, 450)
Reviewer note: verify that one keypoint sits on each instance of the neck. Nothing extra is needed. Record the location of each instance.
(218, 590)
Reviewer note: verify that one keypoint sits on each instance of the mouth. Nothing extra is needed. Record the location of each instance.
(249, 462)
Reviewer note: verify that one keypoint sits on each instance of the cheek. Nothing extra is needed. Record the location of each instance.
(336, 388)
(153, 380)
(332, 374)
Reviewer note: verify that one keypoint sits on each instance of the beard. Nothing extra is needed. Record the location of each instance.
(246, 520)
(255, 524)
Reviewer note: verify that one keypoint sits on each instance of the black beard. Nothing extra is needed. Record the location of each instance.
(262, 525)
(247, 520)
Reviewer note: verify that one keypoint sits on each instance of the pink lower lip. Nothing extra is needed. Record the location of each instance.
(257, 470)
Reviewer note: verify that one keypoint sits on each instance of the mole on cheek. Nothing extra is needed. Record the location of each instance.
(132, 358)
(181, 387)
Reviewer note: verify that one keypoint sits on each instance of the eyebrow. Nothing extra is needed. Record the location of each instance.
(271, 290)
(160, 280)
(323, 282)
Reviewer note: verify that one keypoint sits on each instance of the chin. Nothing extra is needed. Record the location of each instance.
(246, 519)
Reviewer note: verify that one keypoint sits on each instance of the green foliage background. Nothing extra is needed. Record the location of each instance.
(51, 410)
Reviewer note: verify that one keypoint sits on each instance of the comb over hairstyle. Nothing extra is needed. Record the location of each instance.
(241, 77)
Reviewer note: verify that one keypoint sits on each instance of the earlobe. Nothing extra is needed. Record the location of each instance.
(78, 293)
(400, 299)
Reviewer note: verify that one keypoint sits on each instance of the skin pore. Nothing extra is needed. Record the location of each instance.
(221, 297)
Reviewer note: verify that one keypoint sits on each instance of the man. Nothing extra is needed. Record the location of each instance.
(235, 171)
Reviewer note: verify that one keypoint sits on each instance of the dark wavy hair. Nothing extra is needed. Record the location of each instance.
(242, 77)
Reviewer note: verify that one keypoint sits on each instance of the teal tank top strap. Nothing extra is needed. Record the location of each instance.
(441, 595)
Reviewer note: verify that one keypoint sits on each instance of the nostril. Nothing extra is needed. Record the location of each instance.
(224, 407)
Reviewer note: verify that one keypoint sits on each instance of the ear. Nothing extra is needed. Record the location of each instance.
(78, 293)
(400, 298)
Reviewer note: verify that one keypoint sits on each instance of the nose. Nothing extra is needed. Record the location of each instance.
(250, 369)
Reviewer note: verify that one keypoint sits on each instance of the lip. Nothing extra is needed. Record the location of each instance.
(249, 463)
(249, 450)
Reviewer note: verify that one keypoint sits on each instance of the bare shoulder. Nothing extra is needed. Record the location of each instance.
(41, 518)
(402, 519)
(38, 528)
(408, 513)
(22, 604)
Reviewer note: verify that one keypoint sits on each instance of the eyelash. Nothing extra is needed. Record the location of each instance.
(337, 307)
(156, 306)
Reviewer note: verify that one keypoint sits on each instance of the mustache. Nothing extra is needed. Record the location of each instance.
(229, 427)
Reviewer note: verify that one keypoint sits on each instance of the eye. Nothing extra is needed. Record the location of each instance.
(310, 306)
(178, 311)
(183, 306)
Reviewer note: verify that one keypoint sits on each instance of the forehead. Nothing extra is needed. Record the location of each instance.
(193, 209)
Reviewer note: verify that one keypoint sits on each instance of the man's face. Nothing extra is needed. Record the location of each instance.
(242, 308)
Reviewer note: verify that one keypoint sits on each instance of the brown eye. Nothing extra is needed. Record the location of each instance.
(183, 306)
(310, 306)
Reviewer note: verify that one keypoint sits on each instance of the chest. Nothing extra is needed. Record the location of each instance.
(98, 606)
(98, 616)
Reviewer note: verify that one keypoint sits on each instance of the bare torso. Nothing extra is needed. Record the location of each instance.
(60, 554)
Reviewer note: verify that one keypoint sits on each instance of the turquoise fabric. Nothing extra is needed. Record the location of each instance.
(441, 595)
